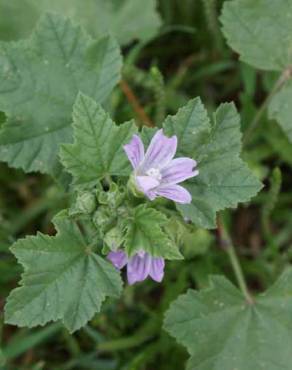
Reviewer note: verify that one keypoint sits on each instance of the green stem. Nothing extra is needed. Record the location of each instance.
(238, 273)
(123, 343)
(227, 245)
(145, 333)
(278, 85)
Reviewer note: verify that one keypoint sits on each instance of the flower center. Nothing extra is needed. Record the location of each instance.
(154, 173)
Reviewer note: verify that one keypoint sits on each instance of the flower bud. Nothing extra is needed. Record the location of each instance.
(85, 203)
(132, 187)
(114, 238)
(113, 197)
(103, 219)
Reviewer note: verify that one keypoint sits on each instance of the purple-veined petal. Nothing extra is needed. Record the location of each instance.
(174, 192)
(160, 151)
(118, 258)
(146, 183)
(135, 151)
(178, 170)
(151, 194)
(138, 268)
(157, 269)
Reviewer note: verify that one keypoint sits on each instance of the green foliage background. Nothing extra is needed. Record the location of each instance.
(171, 54)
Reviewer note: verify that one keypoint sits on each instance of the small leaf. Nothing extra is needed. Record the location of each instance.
(224, 180)
(223, 332)
(62, 280)
(40, 79)
(98, 147)
(144, 232)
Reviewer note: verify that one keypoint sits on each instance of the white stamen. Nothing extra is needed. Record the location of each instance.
(154, 173)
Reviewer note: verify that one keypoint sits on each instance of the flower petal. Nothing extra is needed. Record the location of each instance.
(118, 258)
(178, 170)
(135, 151)
(138, 268)
(174, 192)
(160, 151)
(157, 269)
(146, 183)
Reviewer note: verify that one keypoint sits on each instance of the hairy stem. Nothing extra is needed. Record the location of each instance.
(228, 247)
(278, 85)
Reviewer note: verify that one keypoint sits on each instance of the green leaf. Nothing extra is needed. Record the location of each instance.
(62, 280)
(280, 109)
(12, 27)
(223, 332)
(121, 18)
(260, 31)
(191, 125)
(127, 20)
(40, 79)
(224, 179)
(144, 231)
(98, 147)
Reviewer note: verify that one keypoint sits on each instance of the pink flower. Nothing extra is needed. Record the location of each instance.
(139, 267)
(156, 173)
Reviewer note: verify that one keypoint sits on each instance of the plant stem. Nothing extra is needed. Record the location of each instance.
(133, 100)
(227, 245)
(148, 331)
(278, 85)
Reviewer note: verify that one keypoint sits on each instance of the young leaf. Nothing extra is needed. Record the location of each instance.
(261, 32)
(98, 147)
(62, 280)
(40, 79)
(144, 232)
(222, 331)
(224, 179)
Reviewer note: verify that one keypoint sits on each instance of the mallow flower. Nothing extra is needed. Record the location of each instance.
(139, 267)
(156, 173)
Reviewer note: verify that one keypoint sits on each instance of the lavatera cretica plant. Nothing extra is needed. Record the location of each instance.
(129, 207)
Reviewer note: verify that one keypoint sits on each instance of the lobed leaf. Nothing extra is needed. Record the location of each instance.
(123, 18)
(98, 147)
(221, 331)
(261, 32)
(40, 79)
(62, 280)
(224, 179)
(144, 231)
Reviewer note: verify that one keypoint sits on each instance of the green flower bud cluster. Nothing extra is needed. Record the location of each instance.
(109, 216)
(113, 198)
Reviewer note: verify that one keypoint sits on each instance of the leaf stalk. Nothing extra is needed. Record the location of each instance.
(227, 246)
